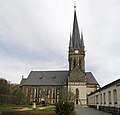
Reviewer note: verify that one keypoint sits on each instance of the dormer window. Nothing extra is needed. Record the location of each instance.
(54, 77)
(41, 77)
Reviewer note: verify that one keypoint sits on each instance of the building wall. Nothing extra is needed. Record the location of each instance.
(91, 88)
(118, 94)
(42, 94)
(83, 91)
(107, 98)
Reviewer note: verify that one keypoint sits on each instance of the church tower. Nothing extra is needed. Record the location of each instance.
(76, 55)
(78, 82)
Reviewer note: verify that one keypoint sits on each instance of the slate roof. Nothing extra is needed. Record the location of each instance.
(46, 78)
(52, 78)
(90, 79)
(116, 82)
(23, 81)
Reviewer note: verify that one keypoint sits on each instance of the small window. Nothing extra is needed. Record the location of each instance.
(101, 98)
(109, 97)
(54, 77)
(77, 93)
(41, 77)
(104, 98)
(76, 101)
(53, 101)
(53, 95)
(97, 99)
(115, 96)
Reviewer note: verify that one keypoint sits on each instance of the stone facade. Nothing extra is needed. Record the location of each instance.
(45, 95)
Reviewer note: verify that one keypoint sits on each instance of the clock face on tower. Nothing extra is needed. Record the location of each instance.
(76, 51)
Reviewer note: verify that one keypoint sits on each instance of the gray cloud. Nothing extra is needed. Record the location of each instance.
(35, 34)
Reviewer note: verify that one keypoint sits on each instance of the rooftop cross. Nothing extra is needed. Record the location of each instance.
(74, 5)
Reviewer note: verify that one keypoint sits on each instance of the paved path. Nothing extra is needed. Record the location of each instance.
(89, 111)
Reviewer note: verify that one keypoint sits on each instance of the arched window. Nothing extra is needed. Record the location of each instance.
(74, 63)
(77, 93)
(76, 101)
(104, 98)
(80, 63)
(115, 96)
(109, 97)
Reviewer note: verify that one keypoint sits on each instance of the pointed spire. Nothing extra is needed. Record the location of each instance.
(70, 43)
(82, 41)
(75, 34)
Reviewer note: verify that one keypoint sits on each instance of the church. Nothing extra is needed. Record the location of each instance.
(45, 86)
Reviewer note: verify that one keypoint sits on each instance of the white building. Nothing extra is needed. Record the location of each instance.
(106, 98)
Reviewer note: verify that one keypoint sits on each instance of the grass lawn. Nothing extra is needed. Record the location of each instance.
(45, 110)
(5, 108)
(8, 107)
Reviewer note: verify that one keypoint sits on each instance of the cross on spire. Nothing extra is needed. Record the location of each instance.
(74, 5)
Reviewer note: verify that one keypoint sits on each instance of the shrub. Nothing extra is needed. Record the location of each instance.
(64, 108)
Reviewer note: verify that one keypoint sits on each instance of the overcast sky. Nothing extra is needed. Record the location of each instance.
(34, 35)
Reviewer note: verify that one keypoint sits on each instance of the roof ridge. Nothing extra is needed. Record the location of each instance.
(52, 71)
